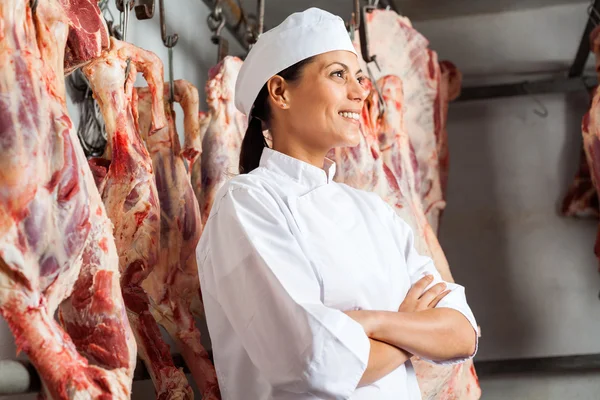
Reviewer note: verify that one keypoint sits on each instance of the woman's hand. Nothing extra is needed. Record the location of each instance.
(419, 299)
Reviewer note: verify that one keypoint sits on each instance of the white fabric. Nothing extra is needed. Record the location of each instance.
(302, 35)
(285, 251)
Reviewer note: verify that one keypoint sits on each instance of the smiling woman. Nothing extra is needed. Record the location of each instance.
(313, 289)
(323, 87)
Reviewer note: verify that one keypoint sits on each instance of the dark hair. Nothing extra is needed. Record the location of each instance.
(254, 141)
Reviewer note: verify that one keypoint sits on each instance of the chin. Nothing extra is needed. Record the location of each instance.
(353, 139)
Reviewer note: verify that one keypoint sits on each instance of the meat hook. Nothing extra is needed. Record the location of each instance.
(171, 40)
(255, 25)
(367, 57)
(145, 9)
(354, 19)
(216, 23)
(124, 16)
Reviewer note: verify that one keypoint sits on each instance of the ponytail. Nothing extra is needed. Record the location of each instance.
(252, 146)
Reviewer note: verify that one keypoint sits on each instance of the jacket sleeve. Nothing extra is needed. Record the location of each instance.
(419, 266)
(271, 295)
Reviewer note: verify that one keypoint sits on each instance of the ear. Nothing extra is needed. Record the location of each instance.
(278, 92)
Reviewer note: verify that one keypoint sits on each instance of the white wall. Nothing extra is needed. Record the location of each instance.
(525, 42)
(530, 275)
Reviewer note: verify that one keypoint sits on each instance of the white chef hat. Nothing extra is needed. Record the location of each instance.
(302, 35)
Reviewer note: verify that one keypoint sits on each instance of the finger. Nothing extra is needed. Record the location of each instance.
(432, 293)
(435, 301)
(418, 288)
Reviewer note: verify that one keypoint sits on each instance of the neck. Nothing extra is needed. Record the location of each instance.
(302, 153)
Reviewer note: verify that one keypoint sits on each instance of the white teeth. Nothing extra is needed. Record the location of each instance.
(351, 115)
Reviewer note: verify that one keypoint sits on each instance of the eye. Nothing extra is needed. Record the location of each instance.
(339, 73)
(361, 80)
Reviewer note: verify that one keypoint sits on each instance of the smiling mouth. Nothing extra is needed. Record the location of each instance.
(350, 115)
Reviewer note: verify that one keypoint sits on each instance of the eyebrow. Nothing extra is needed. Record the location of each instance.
(344, 66)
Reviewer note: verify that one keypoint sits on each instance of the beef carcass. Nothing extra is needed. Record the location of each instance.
(55, 238)
(88, 34)
(581, 199)
(131, 199)
(590, 127)
(222, 140)
(402, 51)
(436, 381)
(173, 284)
(192, 147)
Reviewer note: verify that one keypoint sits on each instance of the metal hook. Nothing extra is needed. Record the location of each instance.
(354, 20)
(171, 40)
(216, 23)
(127, 71)
(144, 10)
(124, 6)
(543, 113)
(261, 17)
(255, 24)
(367, 57)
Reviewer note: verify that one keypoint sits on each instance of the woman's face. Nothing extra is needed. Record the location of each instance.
(323, 107)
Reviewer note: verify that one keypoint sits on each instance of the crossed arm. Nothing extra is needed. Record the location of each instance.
(418, 328)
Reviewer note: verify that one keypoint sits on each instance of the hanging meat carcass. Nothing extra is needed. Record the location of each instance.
(402, 51)
(173, 284)
(590, 127)
(131, 199)
(436, 381)
(55, 238)
(222, 140)
(88, 34)
(581, 199)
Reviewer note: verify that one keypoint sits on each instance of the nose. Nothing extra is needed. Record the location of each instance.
(356, 92)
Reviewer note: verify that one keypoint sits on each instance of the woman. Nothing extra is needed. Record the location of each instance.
(313, 289)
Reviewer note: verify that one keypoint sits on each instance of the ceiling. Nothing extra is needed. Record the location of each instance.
(416, 10)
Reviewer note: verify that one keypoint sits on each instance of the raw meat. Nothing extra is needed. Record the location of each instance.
(590, 127)
(88, 34)
(173, 284)
(223, 138)
(436, 382)
(55, 238)
(195, 166)
(404, 52)
(131, 199)
(581, 199)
